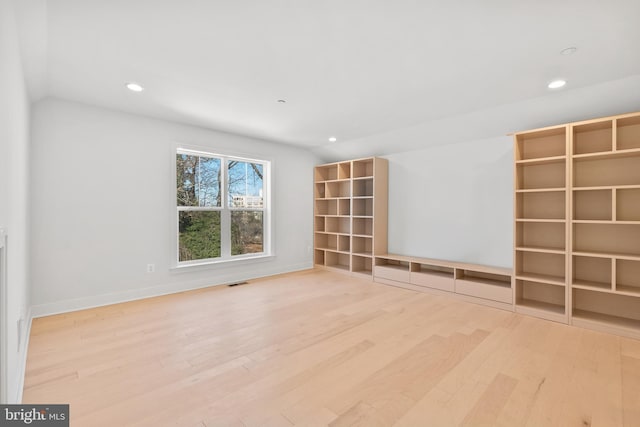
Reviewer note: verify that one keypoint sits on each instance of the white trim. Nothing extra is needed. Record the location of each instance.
(22, 363)
(198, 208)
(206, 153)
(49, 309)
(4, 353)
(248, 258)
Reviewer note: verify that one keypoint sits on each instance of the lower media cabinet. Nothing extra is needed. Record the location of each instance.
(481, 284)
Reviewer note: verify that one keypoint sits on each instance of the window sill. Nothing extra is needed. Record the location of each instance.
(219, 263)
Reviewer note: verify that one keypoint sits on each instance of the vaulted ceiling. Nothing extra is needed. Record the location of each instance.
(346, 68)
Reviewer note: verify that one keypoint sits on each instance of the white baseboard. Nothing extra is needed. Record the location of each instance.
(76, 304)
(22, 363)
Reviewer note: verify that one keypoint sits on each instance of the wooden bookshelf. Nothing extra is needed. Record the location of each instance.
(600, 286)
(541, 222)
(350, 214)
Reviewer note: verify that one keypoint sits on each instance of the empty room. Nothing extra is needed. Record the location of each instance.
(319, 213)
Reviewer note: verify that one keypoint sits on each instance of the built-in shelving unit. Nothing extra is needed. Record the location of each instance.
(350, 214)
(580, 263)
(605, 224)
(476, 283)
(541, 218)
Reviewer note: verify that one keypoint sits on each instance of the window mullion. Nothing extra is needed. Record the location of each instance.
(225, 220)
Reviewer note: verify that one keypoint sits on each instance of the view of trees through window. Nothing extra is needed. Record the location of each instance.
(210, 212)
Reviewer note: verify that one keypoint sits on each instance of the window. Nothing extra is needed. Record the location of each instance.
(222, 207)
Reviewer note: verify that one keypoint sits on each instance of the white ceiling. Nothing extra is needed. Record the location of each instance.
(347, 68)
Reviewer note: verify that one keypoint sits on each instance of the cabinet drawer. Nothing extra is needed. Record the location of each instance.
(435, 281)
(399, 274)
(483, 290)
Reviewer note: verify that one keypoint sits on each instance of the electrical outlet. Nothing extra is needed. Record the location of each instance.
(151, 268)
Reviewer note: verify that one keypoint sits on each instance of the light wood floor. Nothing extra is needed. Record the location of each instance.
(318, 348)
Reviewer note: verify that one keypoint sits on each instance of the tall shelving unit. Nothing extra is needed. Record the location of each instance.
(577, 224)
(350, 214)
(541, 215)
(605, 224)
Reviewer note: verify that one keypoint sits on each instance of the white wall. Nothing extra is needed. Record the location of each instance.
(14, 184)
(453, 202)
(103, 206)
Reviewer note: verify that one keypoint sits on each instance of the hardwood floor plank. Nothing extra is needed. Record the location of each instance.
(488, 407)
(393, 390)
(631, 391)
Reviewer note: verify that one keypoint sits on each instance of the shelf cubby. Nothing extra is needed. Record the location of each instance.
(479, 284)
(541, 205)
(362, 265)
(628, 133)
(607, 239)
(318, 257)
(628, 204)
(433, 276)
(336, 189)
(344, 243)
(362, 245)
(592, 205)
(606, 312)
(337, 225)
(541, 235)
(593, 137)
(326, 207)
(337, 260)
(344, 207)
(344, 170)
(606, 171)
(363, 207)
(628, 276)
(444, 271)
(319, 223)
(319, 190)
(541, 176)
(326, 241)
(592, 273)
(363, 226)
(541, 144)
(326, 173)
(363, 187)
(392, 269)
(544, 267)
(541, 298)
(362, 168)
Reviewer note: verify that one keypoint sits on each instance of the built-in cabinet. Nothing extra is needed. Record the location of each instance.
(472, 282)
(577, 223)
(350, 214)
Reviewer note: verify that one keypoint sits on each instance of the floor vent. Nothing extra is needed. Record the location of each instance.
(239, 283)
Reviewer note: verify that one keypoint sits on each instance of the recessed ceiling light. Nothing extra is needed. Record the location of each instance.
(557, 84)
(333, 139)
(568, 51)
(135, 87)
(282, 101)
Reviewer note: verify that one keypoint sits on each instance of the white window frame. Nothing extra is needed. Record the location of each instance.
(225, 210)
